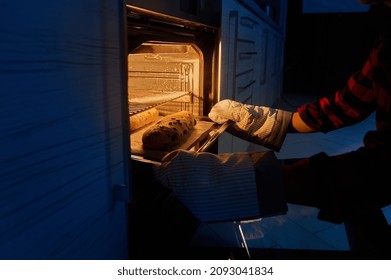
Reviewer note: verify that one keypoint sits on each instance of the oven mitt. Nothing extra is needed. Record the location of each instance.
(225, 187)
(258, 124)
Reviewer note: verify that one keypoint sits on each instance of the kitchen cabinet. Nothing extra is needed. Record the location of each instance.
(64, 154)
(252, 56)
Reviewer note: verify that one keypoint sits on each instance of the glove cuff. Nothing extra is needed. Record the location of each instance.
(278, 132)
(268, 131)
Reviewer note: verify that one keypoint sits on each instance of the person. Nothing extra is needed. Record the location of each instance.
(237, 186)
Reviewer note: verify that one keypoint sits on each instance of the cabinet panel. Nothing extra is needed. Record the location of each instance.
(63, 140)
(247, 51)
(263, 55)
(248, 25)
(245, 84)
(252, 55)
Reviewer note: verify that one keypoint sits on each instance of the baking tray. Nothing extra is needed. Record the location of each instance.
(198, 133)
(202, 136)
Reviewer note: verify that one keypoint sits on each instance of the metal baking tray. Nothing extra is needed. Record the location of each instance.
(204, 134)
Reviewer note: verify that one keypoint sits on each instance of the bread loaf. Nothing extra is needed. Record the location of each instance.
(141, 119)
(169, 131)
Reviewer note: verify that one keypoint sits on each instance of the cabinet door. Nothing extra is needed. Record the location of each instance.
(274, 66)
(63, 145)
(251, 58)
(243, 56)
(240, 54)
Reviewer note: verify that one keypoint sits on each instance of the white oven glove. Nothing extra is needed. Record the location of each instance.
(259, 124)
(224, 187)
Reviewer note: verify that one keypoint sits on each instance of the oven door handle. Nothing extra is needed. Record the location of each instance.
(215, 136)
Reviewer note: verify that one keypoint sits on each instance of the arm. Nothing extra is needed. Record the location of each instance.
(299, 126)
(348, 106)
(268, 126)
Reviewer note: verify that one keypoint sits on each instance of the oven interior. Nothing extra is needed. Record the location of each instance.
(172, 66)
(165, 73)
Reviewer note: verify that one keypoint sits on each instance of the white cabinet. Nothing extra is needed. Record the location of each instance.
(252, 54)
(62, 142)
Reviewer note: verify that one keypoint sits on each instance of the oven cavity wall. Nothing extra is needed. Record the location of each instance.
(162, 71)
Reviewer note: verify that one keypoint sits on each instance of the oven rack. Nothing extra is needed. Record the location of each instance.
(142, 103)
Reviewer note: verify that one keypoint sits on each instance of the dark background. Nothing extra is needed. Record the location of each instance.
(324, 49)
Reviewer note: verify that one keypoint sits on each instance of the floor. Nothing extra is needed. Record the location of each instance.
(299, 228)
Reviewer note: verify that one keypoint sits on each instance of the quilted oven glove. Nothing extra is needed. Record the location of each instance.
(258, 124)
(224, 187)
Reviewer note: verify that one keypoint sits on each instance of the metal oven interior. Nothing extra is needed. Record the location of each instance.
(173, 65)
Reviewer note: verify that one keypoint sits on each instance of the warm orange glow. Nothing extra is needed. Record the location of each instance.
(219, 73)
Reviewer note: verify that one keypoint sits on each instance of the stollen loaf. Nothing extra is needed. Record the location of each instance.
(143, 118)
(169, 131)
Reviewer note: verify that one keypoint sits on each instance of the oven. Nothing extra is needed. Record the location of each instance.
(173, 65)
(185, 55)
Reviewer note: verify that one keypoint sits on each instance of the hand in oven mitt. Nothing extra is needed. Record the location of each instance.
(258, 124)
(224, 187)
